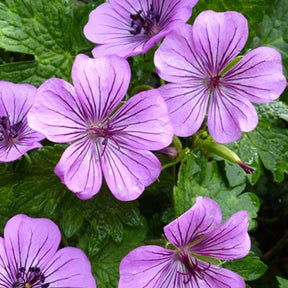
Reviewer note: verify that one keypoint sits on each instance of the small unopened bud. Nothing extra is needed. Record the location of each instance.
(208, 145)
(247, 169)
(170, 152)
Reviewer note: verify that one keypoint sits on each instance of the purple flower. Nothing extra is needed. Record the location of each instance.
(131, 27)
(115, 143)
(29, 257)
(204, 80)
(16, 138)
(196, 234)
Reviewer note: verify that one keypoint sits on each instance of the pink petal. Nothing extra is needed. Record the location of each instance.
(202, 218)
(30, 242)
(79, 168)
(257, 76)
(143, 122)
(229, 241)
(128, 171)
(100, 84)
(229, 114)
(187, 105)
(218, 37)
(147, 267)
(176, 61)
(69, 267)
(57, 112)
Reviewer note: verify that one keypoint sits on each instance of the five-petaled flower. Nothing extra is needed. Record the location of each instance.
(131, 27)
(196, 234)
(115, 143)
(29, 257)
(16, 137)
(203, 79)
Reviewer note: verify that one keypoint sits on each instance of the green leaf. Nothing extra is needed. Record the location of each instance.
(267, 145)
(253, 10)
(198, 177)
(49, 30)
(282, 282)
(106, 263)
(273, 30)
(249, 267)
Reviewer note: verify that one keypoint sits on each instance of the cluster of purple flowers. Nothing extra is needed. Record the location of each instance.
(115, 140)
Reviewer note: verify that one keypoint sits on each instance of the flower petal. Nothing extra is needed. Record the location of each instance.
(30, 242)
(229, 114)
(69, 267)
(213, 276)
(147, 267)
(187, 105)
(218, 37)
(15, 102)
(128, 171)
(100, 84)
(202, 218)
(257, 76)
(175, 60)
(228, 242)
(143, 122)
(6, 275)
(79, 168)
(57, 112)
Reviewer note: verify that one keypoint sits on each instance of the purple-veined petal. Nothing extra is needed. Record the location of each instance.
(187, 106)
(13, 152)
(148, 267)
(227, 242)
(218, 37)
(202, 218)
(257, 76)
(229, 114)
(79, 168)
(15, 102)
(128, 171)
(57, 112)
(100, 84)
(69, 267)
(214, 276)
(5, 271)
(30, 242)
(143, 122)
(175, 60)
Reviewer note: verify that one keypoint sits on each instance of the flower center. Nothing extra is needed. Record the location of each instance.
(192, 268)
(8, 132)
(32, 278)
(214, 81)
(145, 22)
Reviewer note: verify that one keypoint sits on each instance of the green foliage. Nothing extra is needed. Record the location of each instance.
(249, 267)
(282, 282)
(267, 145)
(51, 31)
(253, 10)
(273, 30)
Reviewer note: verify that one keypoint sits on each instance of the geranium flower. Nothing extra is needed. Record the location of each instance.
(115, 143)
(131, 27)
(198, 63)
(196, 234)
(16, 137)
(29, 257)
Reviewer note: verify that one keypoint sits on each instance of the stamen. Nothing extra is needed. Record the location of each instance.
(144, 21)
(8, 132)
(31, 278)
